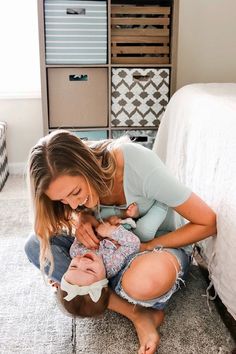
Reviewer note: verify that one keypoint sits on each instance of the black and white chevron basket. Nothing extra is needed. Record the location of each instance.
(3, 155)
(139, 96)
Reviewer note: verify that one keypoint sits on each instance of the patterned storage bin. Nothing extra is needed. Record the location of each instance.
(3, 155)
(75, 32)
(143, 137)
(139, 96)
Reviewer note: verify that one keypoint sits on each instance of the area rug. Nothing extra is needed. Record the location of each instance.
(32, 323)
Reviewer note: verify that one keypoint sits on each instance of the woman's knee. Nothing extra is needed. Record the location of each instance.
(32, 249)
(151, 277)
(60, 246)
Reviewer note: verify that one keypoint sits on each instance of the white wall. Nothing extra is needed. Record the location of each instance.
(207, 41)
(206, 53)
(24, 128)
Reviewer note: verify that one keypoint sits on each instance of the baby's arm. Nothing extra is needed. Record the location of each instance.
(126, 239)
(127, 242)
(131, 211)
(147, 225)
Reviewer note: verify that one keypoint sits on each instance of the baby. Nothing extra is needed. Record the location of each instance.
(84, 287)
(86, 280)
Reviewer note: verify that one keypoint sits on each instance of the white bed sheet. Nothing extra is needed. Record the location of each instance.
(197, 141)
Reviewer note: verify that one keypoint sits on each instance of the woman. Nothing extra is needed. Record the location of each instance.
(68, 174)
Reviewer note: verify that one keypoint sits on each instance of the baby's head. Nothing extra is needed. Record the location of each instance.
(84, 287)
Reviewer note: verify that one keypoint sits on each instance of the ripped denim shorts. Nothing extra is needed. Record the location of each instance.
(159, 303)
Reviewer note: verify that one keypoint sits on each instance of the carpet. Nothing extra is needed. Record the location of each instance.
(32, 323)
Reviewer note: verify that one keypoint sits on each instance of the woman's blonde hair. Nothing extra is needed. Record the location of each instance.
(63, 153)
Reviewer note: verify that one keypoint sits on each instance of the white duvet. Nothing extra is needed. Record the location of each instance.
(197, 141)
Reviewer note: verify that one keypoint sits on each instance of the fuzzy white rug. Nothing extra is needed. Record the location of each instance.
(31, 322)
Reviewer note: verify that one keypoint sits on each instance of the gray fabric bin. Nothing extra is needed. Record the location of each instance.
(77, 97)
(75, 32)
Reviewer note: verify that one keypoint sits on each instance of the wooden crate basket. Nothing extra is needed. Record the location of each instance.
(140, 34)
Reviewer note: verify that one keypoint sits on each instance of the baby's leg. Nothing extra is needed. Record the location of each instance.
(132, 211)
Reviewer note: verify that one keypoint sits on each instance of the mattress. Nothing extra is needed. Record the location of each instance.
(197, 141)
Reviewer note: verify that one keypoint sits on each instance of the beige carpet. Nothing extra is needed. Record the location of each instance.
(31, 323)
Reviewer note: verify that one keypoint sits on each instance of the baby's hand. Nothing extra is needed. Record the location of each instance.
(114, 220)
(105, 229)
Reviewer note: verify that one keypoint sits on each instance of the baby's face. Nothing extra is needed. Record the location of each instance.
(85, 270)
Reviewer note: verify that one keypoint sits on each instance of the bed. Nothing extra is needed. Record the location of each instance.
(197, 141)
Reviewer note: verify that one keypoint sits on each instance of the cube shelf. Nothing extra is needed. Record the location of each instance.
(108, 67)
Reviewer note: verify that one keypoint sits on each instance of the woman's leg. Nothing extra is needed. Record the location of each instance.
(144, 320)
(152, 275)
(60, 246)
(148, 277)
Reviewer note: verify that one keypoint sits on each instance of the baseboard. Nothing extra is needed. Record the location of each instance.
(17, 168)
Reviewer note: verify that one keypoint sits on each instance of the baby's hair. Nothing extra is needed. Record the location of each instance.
(82, 305)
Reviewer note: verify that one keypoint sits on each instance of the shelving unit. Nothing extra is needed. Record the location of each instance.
(107, 67)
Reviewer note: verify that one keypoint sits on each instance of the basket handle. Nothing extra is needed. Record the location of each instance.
(139, 138)
(139, 77)
(75, 11)
(76, 77)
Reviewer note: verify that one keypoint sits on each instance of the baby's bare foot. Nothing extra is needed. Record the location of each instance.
(132, 211)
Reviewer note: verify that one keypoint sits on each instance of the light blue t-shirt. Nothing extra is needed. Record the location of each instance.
(148, 182)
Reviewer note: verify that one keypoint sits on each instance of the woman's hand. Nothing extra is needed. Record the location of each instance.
(143, 247)
(105, 229)
(85, 232)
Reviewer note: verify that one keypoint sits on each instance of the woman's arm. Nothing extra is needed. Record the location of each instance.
(85, 232)
(148, 224)
(202, 223)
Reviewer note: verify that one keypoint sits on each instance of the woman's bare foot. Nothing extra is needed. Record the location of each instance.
(146, 323)
(144, 320)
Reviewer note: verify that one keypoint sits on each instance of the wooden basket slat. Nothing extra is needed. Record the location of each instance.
(140, 60)
(137, 49)
(129, 21)
(140, 10)
(140, 39)
(140, 32)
